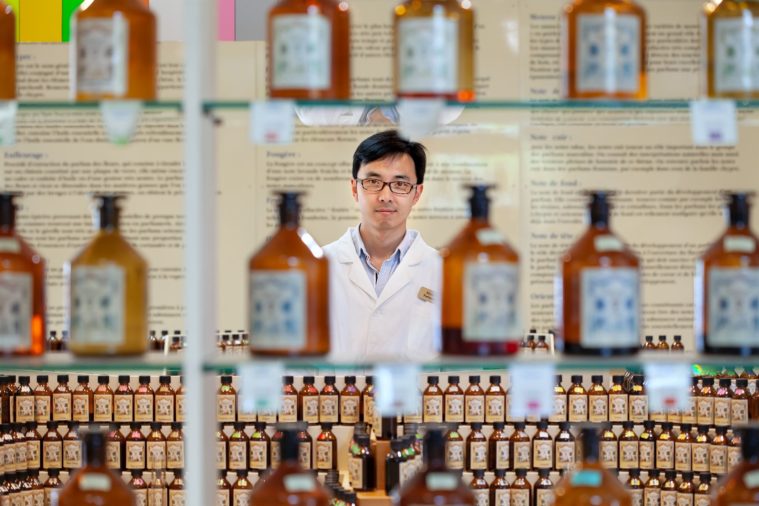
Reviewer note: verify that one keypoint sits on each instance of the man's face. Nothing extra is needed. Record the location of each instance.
(386, 210)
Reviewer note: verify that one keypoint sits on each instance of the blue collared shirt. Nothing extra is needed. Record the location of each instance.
(380, 278)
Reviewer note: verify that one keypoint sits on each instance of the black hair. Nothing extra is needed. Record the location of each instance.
(389, 144)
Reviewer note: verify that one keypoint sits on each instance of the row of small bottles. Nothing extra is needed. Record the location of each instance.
(662, 345)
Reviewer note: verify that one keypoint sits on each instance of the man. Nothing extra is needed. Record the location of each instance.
(384, 279)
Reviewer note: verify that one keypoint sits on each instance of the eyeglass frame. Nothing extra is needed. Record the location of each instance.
(360, 181)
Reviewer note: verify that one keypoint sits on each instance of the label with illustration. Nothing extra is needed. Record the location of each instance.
(122, 408)
(739, 411)
(323, 455)
(100, 55)
(427, 50)
(475, 408)
(646, 453)
(665, 455)
(722, 411)
(494, 408)
(16, 296)
(103, 407)
(502, 455)
(349, 409)
(454, 408)
(736, 39)
(638, 408)
(72, 454)
(610, 308)
(565, 455)
(113, 454)
(278, 309)
(328, 408)
(156, 455)
(226, 407)
(238, 454)
(491, 301)
(733, 305)
(135, 455)
(599, 408)
(608, 53)
(542, 454)
(578, 408)
(98, 304)
(478, 455)
(559, 409)
(628, 454)
(61, 407)
(258, 453)
(454, 454)
(683, 457)
(41, 408)
(164, 408)
(301, 52)
(433, 408)
(143, 407)
(522, 455)
(617, 407)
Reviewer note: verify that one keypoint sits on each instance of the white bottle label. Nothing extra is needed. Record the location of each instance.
(103, 407)
(454, 408)
(494, 411)
(349, 407)
(665, 454)
(502, 455)
(478, 455)
(544, 497)
(301, 52)
(241, 497)
(454, 454)
(578, 408)
(355, 470)
(100, 54)
(237, 455)
(646, 452)
(72, 454)
(143, 407)
(739, 408)
(61, 407)
(135, 455)
(122, 408)
(174, 455)
(700, 457)
(610, 307)
(81, 412)
(718, 459)
(565, 455)
(599, 408)
(328, 408)
(97, 305)
(475, 408)
(491, 294)
(481, 497)
(683, 460)
(164, 408)
(258, 454)
(736, 54)
(542, 454)
(113, 454)
(428, 55)
(289, 410)
(733, 306)
(502, 497)
(278, 309)
(609, 454)
(323, 455)
(16, 316)
(433, 408)
(628, 454)
(522, 455)
(608, 53)
(617, 407)
(559, 408)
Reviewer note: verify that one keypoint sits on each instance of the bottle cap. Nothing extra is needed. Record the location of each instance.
(63, 378)
(474, 379)
(495, 379)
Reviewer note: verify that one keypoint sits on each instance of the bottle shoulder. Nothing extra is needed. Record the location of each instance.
(597, 248)
(109, 248)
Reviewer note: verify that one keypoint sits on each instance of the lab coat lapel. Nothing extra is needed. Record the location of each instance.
(404, 273)
(348, 259)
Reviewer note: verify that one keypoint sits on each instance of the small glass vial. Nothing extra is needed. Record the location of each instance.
(638, 401)
(454, 449)
(115, 448)
(565, 448)
(103, 401)
(598, 401)
(652, 489)
(690, 415)
(123, 402)
(559, 402)
(62, 400)
(238, 448)
(181, 413)
(288, 411)
(222, 443)
(705, 402)
(308, 405)
(634, 487)
(521, 448)
(432, 400)
(628, 447)
(498, 448)
(684, 449)
(350, 402)
(42, 400)
(144, 401)
(479, 487)
(175, 447)
(326, 449)
(618, 400)
(139, 488)
(259, 443)
(677, 344)
(495, 401)
(135, 448)
(577, 401)
(649, 343)
(82, 400)
(164, 401)
(647, 446)
(226, 401)
(662, 345)
(718, 452)
(665, 448)
(454, 401)
(476, 449)
(156, 448)
(329, 402)
(72, 448)
(722, 403)
(52, 448)
(542, 447)
(701, 446)
(474, 402)
(609, 448)
(739, 402)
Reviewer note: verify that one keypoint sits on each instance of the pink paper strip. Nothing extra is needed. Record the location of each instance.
(226, 19)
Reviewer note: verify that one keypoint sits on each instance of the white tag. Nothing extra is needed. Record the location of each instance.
(396, 392)
(272, 122)
(261, 386)
(668, 386)
(302, 482)
(419, 117)
(8, 112)
(605, 243)
(739, 244)
(531, 390)
(120, 118)
(714, 122)
(489, 236)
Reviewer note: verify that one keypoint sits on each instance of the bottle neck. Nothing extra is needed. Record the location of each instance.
(598, 212)
(289, 212)
(738, 212)
(94, 455)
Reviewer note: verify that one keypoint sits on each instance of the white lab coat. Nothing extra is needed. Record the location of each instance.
(397, 325)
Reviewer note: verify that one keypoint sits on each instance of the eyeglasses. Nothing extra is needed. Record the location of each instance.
(372, 185)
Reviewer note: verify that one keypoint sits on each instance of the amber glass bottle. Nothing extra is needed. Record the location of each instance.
(22, 274)
(665, 448)
(638, 400)
(155, 448)
(95, 483)
(591, 483)
(350, 402)
(476, 449)
(135, 448)
(739, 402)
(434, 49)
(498, 448)
(326, 449)
(309, 50)
(604, 50)
(123, 401)
(226, 401)
(500, 491)
(103, 401)
(139, 488)
(259, 447)
(164, 401)
(8, 54)
(432, 401)
(474, 402)
(683, 449)
(652, 489)
(72, 448)
(542, 447)
(729, 41)
(114, 51)
(175, 447)
(609, 447)
(329, 401)
(565, 448)
(705, 402)
(702, 495)
(599, 293)
(634, 486)
(727, 285)
(176, 488)
(289, 289)
(43, 398)
(495, 401)
(435, 483)
(290, 484)
(628, 447)
(740, 486)
(242, 489)
(62, 400)
(559, 402)
(143, 401)
(115, 448)
(480, 286)
(577, 400)
(598, 401)
(618, 399)
(108, 299)
(520, 447)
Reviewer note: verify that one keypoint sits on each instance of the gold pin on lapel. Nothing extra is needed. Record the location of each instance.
(425, 294)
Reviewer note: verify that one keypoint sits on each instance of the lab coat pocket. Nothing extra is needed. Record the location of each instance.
(422, 341)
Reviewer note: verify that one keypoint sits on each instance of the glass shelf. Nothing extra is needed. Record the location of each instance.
(66, 362)
(682, 104)
(228, 364)
(83, 106)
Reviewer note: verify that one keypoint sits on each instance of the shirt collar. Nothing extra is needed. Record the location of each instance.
(400, 251)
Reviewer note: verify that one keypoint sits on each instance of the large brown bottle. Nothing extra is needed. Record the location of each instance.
(604, 50)
(434, 49)
(435, 483)
(22, 280)
(114, 51)
(95, 483)
(590, 483)
(480, 311)
(726, 304)
(599, 294)
(7, 52)
(741, 486)
(290, 484)
(289, 289)
(309, 50)
(730, 41)
(108, 290)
